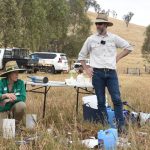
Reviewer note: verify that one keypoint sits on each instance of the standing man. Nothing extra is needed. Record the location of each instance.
(103, 58)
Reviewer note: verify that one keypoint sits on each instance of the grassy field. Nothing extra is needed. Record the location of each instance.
(61, 104)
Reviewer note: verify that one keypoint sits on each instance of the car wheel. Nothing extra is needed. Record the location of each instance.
(35, 70)
(58, 71)
(51, 70)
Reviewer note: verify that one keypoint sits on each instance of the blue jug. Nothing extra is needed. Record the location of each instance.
(111, 117)
(108, 139)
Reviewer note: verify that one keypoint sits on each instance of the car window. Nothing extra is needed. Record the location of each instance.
(20, 53)
(7, 54)
(63, 57)
(45, 56)
(34, 56)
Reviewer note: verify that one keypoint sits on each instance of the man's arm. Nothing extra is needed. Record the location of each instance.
(83, 55)
(121, 43)
(89, 70)
(124, 53)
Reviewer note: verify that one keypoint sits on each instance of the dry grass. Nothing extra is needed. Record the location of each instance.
(61, 116)
(60, 108)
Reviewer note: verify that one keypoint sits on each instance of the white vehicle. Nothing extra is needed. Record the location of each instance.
(58, 61)
(77, 64)
(20, 55)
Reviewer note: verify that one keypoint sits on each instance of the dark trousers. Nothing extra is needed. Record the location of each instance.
(107, 78)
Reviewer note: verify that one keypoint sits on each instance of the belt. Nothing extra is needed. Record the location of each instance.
(104, 69)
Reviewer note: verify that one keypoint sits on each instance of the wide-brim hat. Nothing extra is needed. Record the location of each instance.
(11, 66)
(102, 17)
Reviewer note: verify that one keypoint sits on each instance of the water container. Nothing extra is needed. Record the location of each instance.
(8, 128)
(31, 120)
(38, 79)
(111, 117)
(90, 108)
(108, 139)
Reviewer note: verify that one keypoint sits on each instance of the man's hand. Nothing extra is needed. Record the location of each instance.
(10, 96)
(89, 71)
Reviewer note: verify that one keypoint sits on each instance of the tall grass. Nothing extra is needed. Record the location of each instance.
(65, 125)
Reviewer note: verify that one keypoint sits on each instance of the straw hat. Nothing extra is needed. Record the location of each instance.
(11, 66)
(102, 17)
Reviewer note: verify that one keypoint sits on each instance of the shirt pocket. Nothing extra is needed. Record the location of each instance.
(111, 49)
(95, 46)
(17, 92)
(109, 44)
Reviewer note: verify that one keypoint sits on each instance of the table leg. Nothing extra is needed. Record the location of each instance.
(77, 100)
(44, 106)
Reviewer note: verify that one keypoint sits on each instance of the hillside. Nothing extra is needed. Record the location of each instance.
(134, 34)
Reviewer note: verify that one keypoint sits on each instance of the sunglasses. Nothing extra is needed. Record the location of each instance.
(99, 23)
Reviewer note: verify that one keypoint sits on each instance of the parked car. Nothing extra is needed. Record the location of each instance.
(57, 61)
(77, 64)
(20, 55)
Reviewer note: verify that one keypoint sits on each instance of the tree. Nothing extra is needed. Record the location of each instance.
(47, 25)
(9, 23)
(127, 18)
(78, 30)
(146, 45)
(92, 3)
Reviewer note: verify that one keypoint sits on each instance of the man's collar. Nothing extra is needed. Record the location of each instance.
(107, 34)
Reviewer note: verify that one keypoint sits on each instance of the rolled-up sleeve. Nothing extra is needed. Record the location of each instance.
(85, 50)
(121, 43)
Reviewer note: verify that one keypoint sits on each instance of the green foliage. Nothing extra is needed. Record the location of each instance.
(9, 23)
(146, 45)
(92, 3)
(127, 18)
(79, 28)
(47, 25)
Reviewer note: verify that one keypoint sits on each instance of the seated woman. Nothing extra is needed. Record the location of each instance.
(12, 91)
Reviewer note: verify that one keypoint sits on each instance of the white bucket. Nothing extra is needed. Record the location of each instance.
(8, 128)
(31, 120)
(90, 101)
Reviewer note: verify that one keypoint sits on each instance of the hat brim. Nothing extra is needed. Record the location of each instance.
(103, 21)
(4, 74)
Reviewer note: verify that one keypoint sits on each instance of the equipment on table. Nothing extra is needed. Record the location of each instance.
(38, 79)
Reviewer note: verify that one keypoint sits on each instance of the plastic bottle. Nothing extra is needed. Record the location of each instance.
(111, 117)
(38, 79)
(101, 140)
(107, 139)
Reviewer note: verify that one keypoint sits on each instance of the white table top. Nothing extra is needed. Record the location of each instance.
(50, 83)
(61, 84)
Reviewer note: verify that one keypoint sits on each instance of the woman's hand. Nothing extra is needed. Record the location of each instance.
(10, 96)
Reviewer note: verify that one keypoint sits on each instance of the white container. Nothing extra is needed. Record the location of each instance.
(31, 120)
(91, 101)
(8, 128)
(80, 79)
